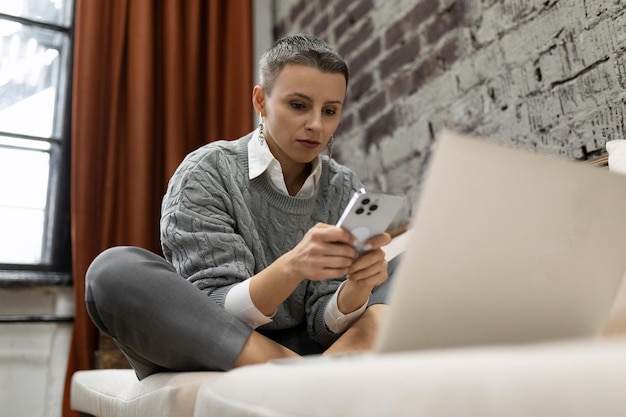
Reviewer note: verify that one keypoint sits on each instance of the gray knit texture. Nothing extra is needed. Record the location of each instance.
(219, 228)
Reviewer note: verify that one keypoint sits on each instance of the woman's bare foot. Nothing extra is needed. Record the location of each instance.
(260, 349)
(362, 334)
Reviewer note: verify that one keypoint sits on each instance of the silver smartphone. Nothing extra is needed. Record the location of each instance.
(369, 214)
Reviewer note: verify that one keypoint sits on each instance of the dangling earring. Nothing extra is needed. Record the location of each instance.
(329, 146)
(261, 130)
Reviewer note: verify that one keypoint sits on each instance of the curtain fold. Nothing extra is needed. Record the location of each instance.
(152, 80)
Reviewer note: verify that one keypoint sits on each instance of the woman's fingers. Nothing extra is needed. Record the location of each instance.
(370, 269)
(324, 252)
(378, 241)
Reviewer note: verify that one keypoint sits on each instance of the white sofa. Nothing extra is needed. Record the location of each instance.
(117, 392)
(574, 378)
(560, 378)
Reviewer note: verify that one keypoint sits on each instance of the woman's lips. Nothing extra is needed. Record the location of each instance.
(309, 144)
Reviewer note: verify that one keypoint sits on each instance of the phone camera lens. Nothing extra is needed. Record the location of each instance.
(373, 207)
(360, 210)
(365, 201)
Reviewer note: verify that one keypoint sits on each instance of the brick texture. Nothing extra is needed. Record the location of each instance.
(548, 75)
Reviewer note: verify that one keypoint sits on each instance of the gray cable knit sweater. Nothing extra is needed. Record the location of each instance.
(219, 228)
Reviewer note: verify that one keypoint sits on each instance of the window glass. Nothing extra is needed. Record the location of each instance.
(30, 74)
(24, 185)
(35, 49)
(48, 11)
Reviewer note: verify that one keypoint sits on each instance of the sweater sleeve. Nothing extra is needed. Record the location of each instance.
(198, 233)
(319, 295)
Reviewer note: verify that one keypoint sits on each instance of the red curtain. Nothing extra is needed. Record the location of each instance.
(152, 80)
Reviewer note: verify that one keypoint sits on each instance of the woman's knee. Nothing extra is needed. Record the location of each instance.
(119, 271)
(108, 266)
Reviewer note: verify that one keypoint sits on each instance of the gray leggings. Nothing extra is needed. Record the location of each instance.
(162, 322)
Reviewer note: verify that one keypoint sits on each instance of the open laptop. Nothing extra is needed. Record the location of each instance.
(507, 246)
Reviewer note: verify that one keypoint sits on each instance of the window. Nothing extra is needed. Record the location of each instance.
(35, 82)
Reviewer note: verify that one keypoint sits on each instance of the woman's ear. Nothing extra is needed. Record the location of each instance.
(258, 99)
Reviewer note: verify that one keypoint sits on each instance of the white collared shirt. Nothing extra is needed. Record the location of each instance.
(261, 159)
(238, 301)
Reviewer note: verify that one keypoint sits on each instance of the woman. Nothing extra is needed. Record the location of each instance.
(250, 223)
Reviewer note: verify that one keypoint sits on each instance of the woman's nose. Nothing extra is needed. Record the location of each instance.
(314, 122)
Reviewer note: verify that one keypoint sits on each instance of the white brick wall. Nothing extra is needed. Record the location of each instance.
(548, 75)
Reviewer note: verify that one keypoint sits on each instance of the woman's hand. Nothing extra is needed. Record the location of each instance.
(365, 273)
(370, 269)
(324, 252)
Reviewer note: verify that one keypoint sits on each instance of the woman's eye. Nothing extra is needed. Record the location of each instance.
(297, 106)
(330, 112)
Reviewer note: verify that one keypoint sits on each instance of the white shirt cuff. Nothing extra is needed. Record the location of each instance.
(239, 303)
(336, 321)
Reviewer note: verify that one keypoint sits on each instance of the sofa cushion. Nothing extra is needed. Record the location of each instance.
(118, 393)
(573, 379)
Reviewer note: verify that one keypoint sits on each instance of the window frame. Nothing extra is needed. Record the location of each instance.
(57, 269)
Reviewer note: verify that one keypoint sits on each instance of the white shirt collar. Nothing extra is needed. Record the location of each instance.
(260, 160)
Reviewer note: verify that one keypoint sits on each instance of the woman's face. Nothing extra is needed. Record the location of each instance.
(301, 113)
